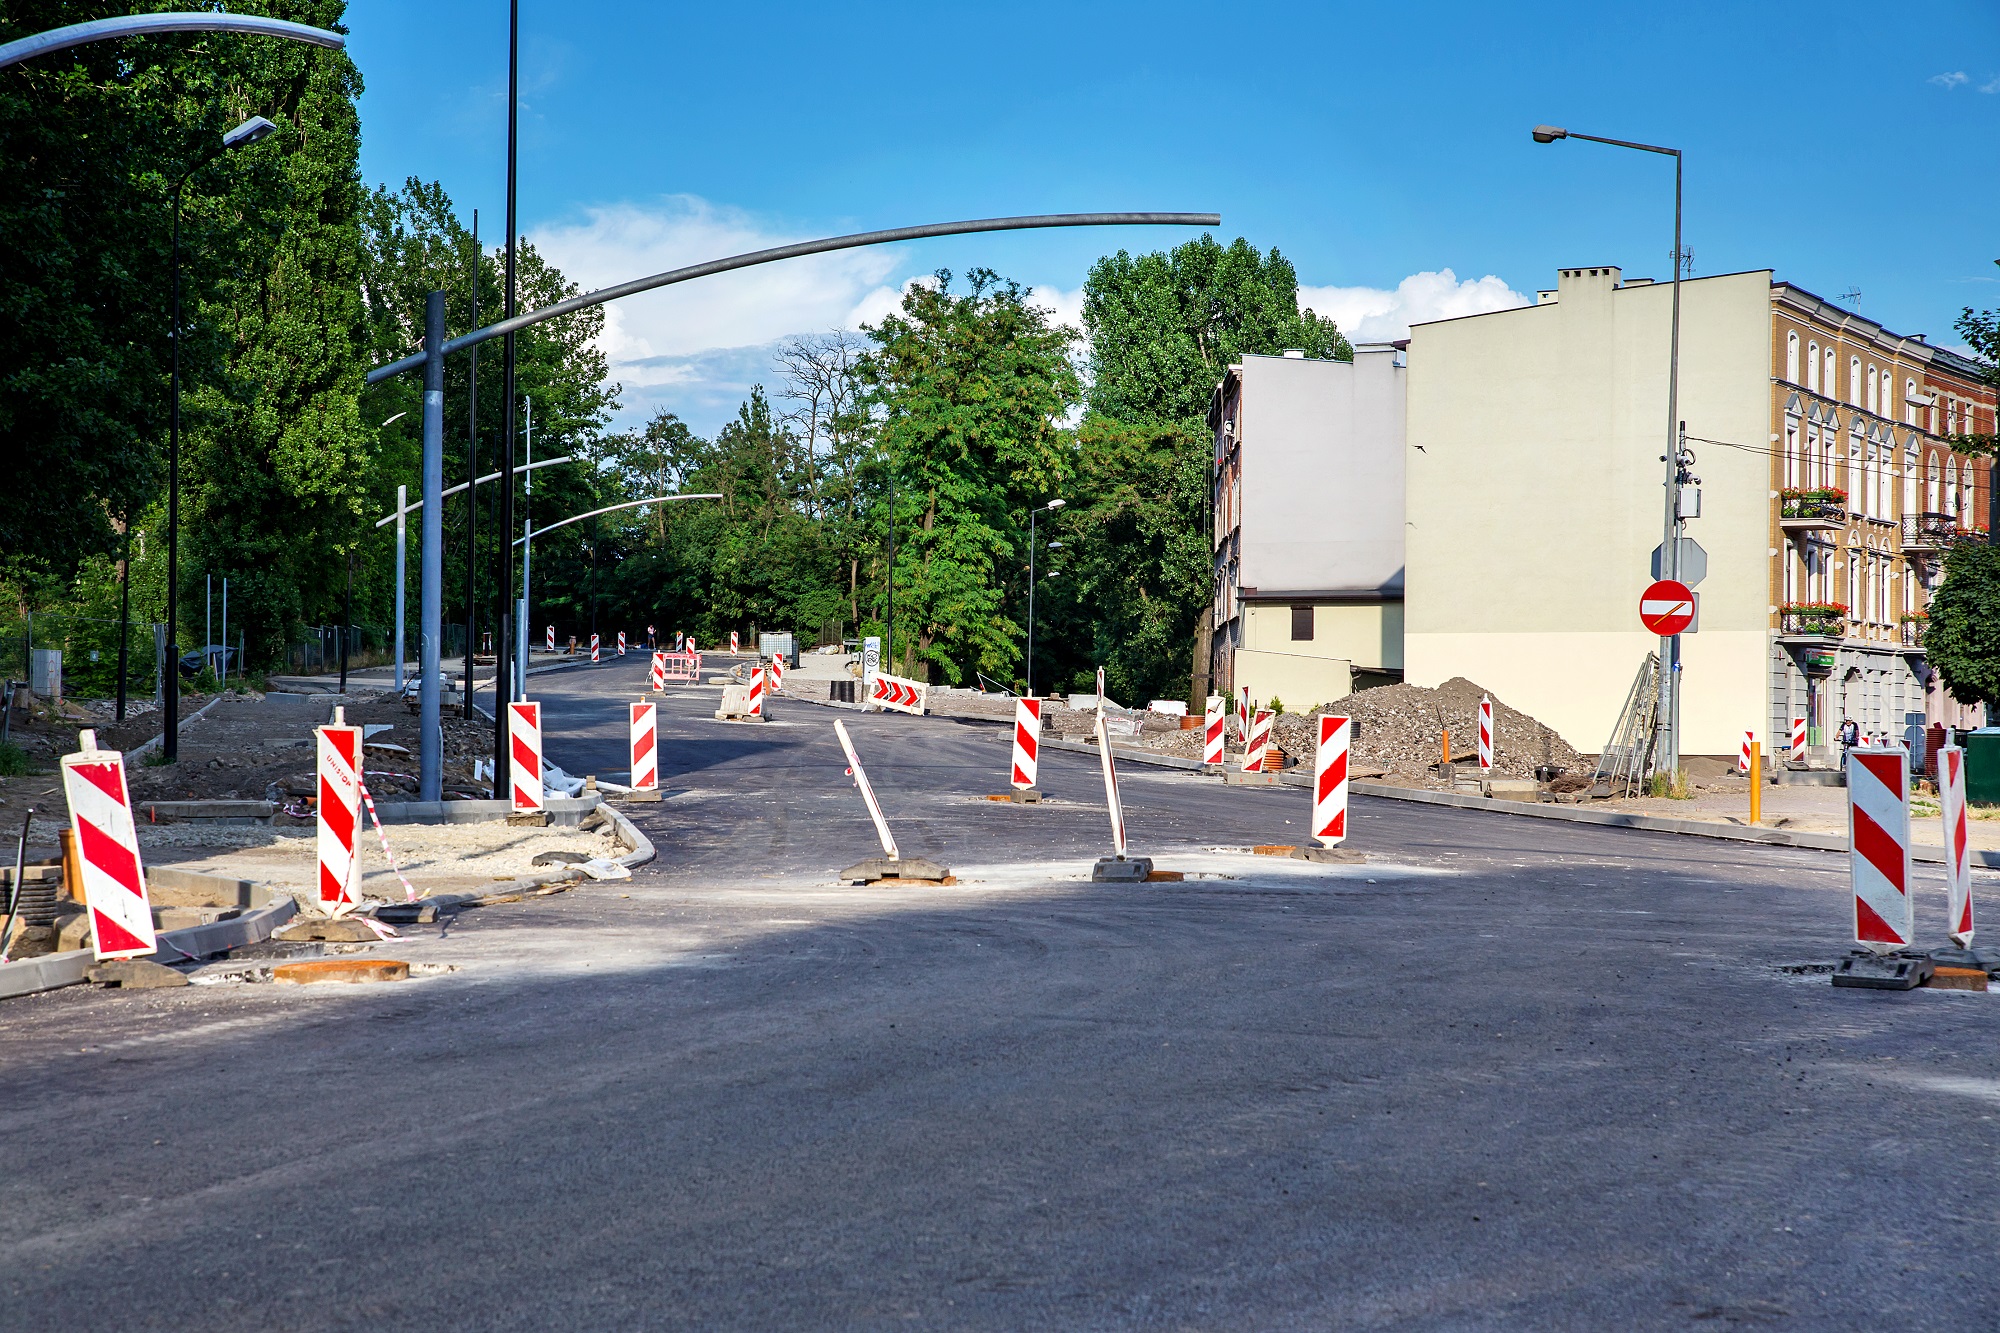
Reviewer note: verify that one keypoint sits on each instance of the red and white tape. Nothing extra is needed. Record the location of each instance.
(1215, 721)
(382, 836)
(524, 740)
(339, 812)
(107, 845)
(1330, 780)
(1878, 806)
(645, 747)
(1957, 845)
(1027, 741)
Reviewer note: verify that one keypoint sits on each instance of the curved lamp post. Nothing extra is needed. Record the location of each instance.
(136, 25)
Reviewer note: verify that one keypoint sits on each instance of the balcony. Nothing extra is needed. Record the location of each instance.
(1812, 622)
(1913, 634)
(1923, 533)
(1805, 511)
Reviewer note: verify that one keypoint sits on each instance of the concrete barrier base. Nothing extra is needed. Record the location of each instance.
(908, 868)
(1122, 870)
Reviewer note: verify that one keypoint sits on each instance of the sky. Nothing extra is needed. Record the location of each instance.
(1383, 148)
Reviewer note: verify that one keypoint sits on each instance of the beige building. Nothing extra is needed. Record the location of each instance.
(1308, 534)
(1534, 503)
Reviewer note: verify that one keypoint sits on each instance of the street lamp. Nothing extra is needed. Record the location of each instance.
(1032, 514)
(249, 132)
(1667, 755)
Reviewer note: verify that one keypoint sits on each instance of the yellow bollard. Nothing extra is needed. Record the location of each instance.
(1756, 782)
(1447, 745)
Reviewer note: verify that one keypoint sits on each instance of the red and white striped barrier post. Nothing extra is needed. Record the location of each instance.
(777, 673)
(593, 648)
(621, 643)
(860, 777)
(757, 690)
(1215, 718)
(1798, 740)
(691, 648)
(1027, 743)
(1743, 751)
(645, 747)
(107, 844)
(1330, 780)
(524, 737)
(1878, 805)
(1118, 867)
(1260, 736)
(1100, 691)
(1485, 736)
(1957, 845)
(549, 639)
(732, 641)
(659, 672)
(339, 811)
(1243, 716)
(677, 640)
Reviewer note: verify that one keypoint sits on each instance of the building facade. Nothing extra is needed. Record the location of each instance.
(1535, 467)
(1308, 526)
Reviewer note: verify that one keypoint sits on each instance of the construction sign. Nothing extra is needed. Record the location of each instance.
(114, 880)
(904, 696)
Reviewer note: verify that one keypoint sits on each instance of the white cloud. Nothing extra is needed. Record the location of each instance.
(1372, 314)
(1992, 85)
(1949, 79)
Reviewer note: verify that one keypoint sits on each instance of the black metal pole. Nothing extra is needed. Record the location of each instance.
(347, 615)
(124, 615)
(892, 562)
(1033, 514)
(472, 474)
(170, 743)
(503, 775)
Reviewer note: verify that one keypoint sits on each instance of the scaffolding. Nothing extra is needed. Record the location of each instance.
(1629, 752)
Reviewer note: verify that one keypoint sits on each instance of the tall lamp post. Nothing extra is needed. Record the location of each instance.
(1666, 753)
(1032, 515)
(249, 132)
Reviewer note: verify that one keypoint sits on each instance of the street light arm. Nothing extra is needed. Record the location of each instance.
(491, 476)
(629, 504)
(1622, 143)
(133, 25)
(755, 257)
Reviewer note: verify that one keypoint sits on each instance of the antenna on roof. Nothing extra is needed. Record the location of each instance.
(1852, 296)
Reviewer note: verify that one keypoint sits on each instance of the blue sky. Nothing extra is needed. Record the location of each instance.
(1384, 148)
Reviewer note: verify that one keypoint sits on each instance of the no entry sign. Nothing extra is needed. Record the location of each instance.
(1667, 607)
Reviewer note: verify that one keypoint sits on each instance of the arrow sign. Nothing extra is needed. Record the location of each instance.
(1667, 608)
(905, 696)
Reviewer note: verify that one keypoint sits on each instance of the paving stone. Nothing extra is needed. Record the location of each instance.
(135, 974)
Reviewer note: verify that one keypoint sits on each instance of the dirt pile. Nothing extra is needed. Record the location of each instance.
(1400, 729)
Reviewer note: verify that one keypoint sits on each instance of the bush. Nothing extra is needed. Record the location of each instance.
(1277, 707)
(13, 760)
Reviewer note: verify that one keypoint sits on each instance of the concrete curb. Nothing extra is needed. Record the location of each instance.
(145, 747)
(53, 971)
(564, 811)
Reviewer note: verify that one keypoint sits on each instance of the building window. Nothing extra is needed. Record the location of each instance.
(1888, 394)
(1874, 403)
(1302, 624)
(1857, 479)
(1831, 381)
(1910, 482)
(1812, 367)
(1951, 487)
(1931, 487)
(1909, 406)
(1791, 358)
(1854, 380)
(1791, 452)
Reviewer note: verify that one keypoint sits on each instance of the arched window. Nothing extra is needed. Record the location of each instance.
(1792, 473)
(1909, 406)
(1791, 358)
(1857, 477)
(1933, 480)
(1951, 487)
(1812, 367)
(1888, 394)
(1909, 482)
(1874, 402)
(1854, 380)
(1832, 383)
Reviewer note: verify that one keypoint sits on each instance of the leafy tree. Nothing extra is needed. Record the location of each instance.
(1981, 331)
(1962, 640)
(969, 391)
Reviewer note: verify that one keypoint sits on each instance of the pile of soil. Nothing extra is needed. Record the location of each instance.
(1399, 730)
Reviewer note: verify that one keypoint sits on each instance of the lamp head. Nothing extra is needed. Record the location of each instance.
(1055, 546)
(249, 132)
(1055, 504)
(1549, 133)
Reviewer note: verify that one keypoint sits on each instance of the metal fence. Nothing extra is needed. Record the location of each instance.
(89, 647)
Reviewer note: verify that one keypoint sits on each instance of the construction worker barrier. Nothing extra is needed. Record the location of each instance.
(860, 777)
(1878, 812)
(757, 690)
(1485, 734)
(659, 672)
(524, 739)
(593, 648)
(107, 847)
(683, 668)
(621, 643)
(1798, 740)
(549, 639)
(1259, 738)
(645, 747)
(1215, 719)
(1743, 752)
(894, 692)
(1330, 780)
(1112, 803)
(777, 673)
(732, 641)
(1027, 741)
(1957, 845)
(339, 811)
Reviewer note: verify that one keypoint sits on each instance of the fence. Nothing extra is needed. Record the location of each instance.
(367, 645)
(89, 646)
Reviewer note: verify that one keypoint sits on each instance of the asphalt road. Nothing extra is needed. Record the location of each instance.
(1509, 1072)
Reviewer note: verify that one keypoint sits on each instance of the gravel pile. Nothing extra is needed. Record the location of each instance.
(1399, 729)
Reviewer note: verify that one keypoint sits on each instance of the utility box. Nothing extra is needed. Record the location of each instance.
(1982, 767)
(773, 645)
(45, 673)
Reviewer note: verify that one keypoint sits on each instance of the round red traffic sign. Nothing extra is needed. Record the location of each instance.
(1666, 607)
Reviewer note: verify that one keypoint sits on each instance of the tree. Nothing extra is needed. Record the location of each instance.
(969, 392)
(1962, 640)
(1981, 331)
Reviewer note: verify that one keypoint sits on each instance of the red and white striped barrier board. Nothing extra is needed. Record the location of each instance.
(1743, 751)
(1100, 691)
(777, 673)
(1260, 736)
(1330, 780)
(339, 812)
(593, 648)
(1878, 859)
(733, 647)
(621, 643)
(905, 696)
(1799, 739)
(1111, 801)
(1485, 734)
(1027, 741)
(114, 878)
(690, 645)
(549, 639)
(659, 672)
(677, 640)
(524, 739)
(757, 690)
(1215, 719)
(1243, 716)
(1957, 845)
(645, 747)
(860, 776)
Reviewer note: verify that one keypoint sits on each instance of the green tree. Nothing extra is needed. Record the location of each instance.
(969, 392)
(1962, 640)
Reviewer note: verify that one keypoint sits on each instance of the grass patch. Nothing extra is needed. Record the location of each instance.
(13, 761)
